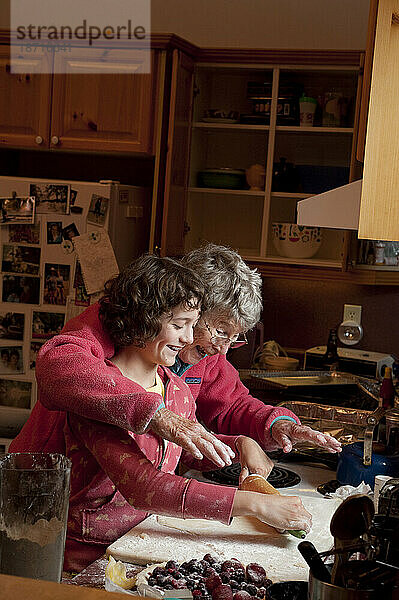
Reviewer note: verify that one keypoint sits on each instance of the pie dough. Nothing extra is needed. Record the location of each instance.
(159, 539)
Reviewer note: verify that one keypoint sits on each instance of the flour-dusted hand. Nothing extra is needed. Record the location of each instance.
(252, 458)
(281, 512)
(287, 433)
(191, 436)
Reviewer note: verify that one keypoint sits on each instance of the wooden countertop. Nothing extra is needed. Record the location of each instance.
(20, 588)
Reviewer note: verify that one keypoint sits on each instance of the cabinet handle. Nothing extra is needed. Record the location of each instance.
(55, 140)
(39, 139)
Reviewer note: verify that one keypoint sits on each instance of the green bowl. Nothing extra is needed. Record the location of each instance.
(232, 179)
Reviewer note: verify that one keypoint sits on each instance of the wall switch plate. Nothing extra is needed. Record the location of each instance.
(353, 312)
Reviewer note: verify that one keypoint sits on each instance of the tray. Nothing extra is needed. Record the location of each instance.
(286, 379)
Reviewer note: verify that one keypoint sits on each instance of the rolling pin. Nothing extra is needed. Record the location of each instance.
(257, 483)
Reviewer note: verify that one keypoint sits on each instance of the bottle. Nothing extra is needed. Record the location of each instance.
(330, 358)
(387, 391)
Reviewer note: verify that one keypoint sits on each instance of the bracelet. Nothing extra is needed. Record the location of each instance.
(281, 417)
(162, 405)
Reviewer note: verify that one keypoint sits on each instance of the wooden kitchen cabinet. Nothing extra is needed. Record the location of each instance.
(24, 103)
(104, 112)
(76, 111)
(242, 218)
(177, 159)
(367, 69)
(379, 209)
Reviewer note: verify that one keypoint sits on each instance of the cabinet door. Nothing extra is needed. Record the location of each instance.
(177, 160)
(105, 112)
(368, 63)
(379, 209)
(24, 101)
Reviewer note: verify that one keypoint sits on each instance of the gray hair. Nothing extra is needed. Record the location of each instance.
(235, 290)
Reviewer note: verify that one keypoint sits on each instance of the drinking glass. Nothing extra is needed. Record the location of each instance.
(34, 496)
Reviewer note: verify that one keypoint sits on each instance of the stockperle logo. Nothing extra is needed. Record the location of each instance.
(89, 36)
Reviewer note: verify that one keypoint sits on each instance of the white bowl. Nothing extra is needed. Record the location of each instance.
(296, 241)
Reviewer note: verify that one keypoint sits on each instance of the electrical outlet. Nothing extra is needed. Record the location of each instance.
(353, 312)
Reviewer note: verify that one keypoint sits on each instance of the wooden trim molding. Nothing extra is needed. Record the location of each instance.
(165, 41)
(4, 36)
(281, 56)
(170, 41)
(352, 275)
(159, 41)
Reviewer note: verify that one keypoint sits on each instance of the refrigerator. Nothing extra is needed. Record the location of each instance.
(56, 254)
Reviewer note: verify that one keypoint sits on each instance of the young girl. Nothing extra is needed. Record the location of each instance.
(118, 477)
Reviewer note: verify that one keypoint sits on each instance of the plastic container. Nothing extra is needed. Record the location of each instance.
(387, 391)
(352, 471)
(307, 109)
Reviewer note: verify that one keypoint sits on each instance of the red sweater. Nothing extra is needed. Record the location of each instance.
(74, 374)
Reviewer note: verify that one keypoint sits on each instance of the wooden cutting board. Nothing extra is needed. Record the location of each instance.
(158, 539)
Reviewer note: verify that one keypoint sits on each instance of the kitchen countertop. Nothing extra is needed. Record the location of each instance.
(311, 476)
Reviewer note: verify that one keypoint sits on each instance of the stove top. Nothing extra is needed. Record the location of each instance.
(279, 477)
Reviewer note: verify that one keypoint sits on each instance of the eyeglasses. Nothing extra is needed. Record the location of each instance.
(221, 340)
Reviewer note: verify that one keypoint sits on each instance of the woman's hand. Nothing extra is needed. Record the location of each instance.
(281, 512)
(191, 436)
(287, 433)
(252, 458)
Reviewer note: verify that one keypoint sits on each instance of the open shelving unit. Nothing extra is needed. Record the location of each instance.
(242, 218)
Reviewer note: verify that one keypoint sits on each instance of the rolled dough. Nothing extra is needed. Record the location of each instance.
(158, 539)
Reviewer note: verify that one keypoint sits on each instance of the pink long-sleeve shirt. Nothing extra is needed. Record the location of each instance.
(118, 477)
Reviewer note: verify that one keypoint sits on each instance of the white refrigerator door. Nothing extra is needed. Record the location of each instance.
(37, 288)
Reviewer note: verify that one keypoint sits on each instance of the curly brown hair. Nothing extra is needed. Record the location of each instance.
(148, 288)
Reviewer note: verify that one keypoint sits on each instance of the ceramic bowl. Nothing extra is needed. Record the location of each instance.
(224, 178)
(220, 113)
(280, 363)
(296, 241)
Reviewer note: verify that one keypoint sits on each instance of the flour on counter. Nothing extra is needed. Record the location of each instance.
(247, 539)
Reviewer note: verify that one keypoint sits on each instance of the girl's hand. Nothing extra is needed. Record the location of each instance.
(281, 512)
(287, 433)
(252, 458)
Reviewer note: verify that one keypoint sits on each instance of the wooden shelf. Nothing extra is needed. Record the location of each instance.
(286, 128)
(230, 126)
(201, 190)
(316, 272)
(392, 268)
(310, 262)
(296, 129)
(299, 195)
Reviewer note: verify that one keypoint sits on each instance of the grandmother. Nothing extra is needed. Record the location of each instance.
(75, 376)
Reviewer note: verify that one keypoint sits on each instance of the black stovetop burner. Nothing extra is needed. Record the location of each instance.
(279, 477)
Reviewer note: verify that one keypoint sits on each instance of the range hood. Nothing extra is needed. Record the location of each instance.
(337, 209)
